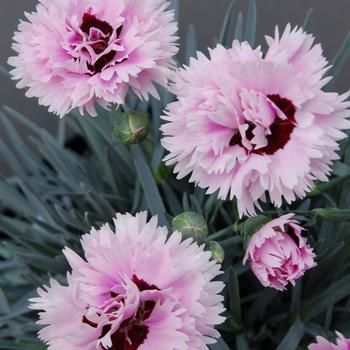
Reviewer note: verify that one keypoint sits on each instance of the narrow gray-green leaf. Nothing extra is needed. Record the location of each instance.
(241, 342)
(12, 198)
(5, 72)
(239, 28)
(150, 189)
(319, 303)
(308, 18)
(61, 132)
(20, 147)
(234, 298)
(191, 43)
(70, 219)
(340, 59)
(225, 30)
(40, 207)
(4, 304)
(24, 120)
(293, 337)
(172, 200)
(10, 158)
(251, 23)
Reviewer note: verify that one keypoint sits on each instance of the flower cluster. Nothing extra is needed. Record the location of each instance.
(247, 125)
(135, 289)
(78, 53)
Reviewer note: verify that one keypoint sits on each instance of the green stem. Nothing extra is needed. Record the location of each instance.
(287, 211)
(221, 233)
(231, 241)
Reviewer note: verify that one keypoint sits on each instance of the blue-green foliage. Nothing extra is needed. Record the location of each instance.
(58, 193)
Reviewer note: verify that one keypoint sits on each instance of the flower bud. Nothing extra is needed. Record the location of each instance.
(278, 253)
(217, 251)
(191, 225)
(131, 127)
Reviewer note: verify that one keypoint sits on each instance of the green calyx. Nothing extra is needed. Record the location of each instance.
(251, 226)
(131, 128)
(217, 251)
(191, 225)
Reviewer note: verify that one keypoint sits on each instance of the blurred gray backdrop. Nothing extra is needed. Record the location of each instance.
(330, 23)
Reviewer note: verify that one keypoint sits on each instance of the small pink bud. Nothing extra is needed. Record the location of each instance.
(278, 253)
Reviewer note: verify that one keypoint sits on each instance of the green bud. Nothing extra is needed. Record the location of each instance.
(132, 127)
(217, 251)
(191, 225)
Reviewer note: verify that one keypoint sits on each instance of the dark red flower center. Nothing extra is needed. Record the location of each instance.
(281, 130)
(291, 233)
(89, 22)
(142, 285)
(132, 332)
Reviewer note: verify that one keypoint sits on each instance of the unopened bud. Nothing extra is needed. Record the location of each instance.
(191, 225)
(217, 251)
(131, 127)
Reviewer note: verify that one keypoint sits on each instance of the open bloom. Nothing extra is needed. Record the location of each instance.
(323, 344)
(75, 53)
(278, 253)
(248, 125)
(136, 289)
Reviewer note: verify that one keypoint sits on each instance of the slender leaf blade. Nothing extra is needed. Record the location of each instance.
(293, 337)
(225, 30)
(153, 198)
(251, 23)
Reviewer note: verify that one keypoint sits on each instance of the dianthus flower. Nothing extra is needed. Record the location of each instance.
(78, 53)
(135, 289)
(278, 253)
(248, 125)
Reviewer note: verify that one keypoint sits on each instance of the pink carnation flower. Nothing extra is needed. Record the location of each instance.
(136, 289)
(278, 254)
(247, 125)
(75, 53)
(323, 344)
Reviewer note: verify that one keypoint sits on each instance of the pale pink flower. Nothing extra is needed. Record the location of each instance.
(278, 254)
(248, 125)
(324, 344)
(135, 289)
(78, 53)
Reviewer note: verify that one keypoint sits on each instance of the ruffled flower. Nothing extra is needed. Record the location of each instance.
(247, 125)
(324, 344)
(78, 53)
(135, 289)
(278, 254)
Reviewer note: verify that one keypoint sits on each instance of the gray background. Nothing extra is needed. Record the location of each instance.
(330, 23)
